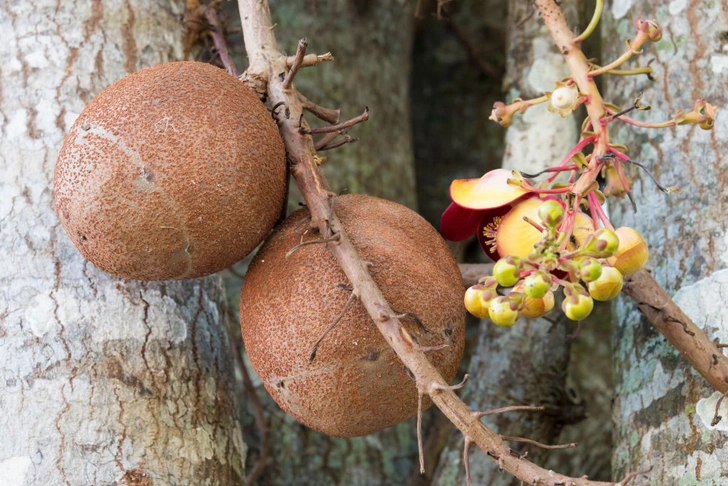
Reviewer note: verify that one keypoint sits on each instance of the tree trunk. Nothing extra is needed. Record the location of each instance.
(663, 409)
(102, 381)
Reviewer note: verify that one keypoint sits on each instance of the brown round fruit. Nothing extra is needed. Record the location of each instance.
(356, 385)
(176, 171)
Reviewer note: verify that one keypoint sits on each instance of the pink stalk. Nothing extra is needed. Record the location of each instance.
(579, 146)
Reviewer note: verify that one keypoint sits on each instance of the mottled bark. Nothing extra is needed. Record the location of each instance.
(663, 409)
(103, 381)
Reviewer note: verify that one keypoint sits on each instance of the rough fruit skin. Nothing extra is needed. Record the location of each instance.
(356, 385)
(176, 171)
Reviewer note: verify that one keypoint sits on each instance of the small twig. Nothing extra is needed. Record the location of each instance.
(411, 315)
(326, 114)
(218, 38)
(529, 13)
(430, 349)
(436, 386)
(571, 337)
(629, 477)
(310, 60)
(338, 143)
(325, 140)
(466, 461)
(538, 444)
(717, 418)
(314, 348)
(420, 447)
(296, 65)
(666, 190)
(441, 7)
(320, 241)
(340, 126)
(512, 408)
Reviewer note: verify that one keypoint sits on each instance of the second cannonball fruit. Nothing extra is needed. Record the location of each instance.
(356, 385)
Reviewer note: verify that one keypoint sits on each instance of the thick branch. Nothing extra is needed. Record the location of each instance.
(266, 65)
(671, 321)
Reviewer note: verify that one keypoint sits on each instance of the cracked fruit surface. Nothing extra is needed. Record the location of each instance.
(174, 172)
(356, 385)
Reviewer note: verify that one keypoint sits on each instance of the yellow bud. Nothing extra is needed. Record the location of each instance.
(477, 300)
(537, 307)
(502, 313)
(632, 253)
(608, 285)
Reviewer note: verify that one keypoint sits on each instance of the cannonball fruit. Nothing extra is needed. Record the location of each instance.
(355, 385)
(176, 171)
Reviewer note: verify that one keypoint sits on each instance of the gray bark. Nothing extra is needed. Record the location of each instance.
(663, 409)
(102, 381)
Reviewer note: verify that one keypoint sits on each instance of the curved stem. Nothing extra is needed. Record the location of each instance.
(637, 123)
(592, 24)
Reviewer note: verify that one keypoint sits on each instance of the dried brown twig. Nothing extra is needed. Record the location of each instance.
(268, 68)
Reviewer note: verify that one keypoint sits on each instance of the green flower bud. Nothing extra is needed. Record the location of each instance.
(551, 213)
(603, 243)
(589, 269)
(501, 312)
(507, 271)
(577, 306)
(536, 285)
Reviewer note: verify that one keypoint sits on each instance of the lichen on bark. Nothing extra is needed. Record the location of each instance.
(658, 394)
(102, 380)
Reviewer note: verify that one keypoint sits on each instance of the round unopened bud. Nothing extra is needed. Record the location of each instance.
(577, 306)
(603, 243)
(537, 307)
(536, 285)
(608, 285)
(632, 253)
(564, 98)
(501, 312)
(477, 300)
(507, 271)
(551, 212)
(589, 269)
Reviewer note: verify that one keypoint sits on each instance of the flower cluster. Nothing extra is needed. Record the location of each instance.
(553, 233)
(539, 245)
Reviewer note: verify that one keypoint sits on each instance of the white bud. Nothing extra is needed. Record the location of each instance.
(563, 98)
